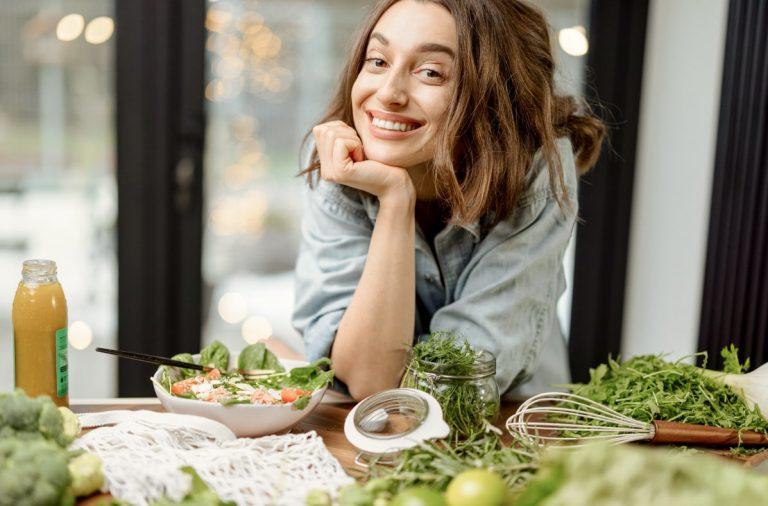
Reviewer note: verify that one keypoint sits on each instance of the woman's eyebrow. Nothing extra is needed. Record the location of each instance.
(429, 47)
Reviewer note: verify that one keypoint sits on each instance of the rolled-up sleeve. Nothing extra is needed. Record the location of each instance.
(505, 300)
(336, 233)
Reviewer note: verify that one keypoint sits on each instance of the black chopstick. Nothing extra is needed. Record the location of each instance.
(153, 359)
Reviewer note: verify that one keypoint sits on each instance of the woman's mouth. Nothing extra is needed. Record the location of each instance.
(390, 130)
(392, 125)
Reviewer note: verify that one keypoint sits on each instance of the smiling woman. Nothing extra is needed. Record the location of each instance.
(442, 194)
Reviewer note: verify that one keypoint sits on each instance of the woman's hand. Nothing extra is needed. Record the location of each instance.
(342, 161)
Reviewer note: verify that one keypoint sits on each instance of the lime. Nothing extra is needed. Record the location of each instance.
(418, 496)
(478, 487)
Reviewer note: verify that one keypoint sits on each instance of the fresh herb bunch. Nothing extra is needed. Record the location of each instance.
(649, 388)
(442, 366)
(435, 463)
(453, 355)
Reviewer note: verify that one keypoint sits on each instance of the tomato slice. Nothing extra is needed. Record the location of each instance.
(291, 394)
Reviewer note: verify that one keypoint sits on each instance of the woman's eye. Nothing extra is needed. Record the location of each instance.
(432, 74)
(375, 62)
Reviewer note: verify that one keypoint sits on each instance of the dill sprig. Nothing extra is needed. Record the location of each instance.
(435, 463)
(447, 352)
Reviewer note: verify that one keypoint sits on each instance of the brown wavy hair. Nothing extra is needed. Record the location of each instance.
(504, 109)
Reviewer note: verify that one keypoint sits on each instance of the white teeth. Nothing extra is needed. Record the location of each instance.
(391, 125)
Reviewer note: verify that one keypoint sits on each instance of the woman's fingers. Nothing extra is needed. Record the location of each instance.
(342, 160)
(335, 156)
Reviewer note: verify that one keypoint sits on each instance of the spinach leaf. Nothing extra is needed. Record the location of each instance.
(215, 355)
(312, 376)
(301, 402)
(173, 374)
(257, 357)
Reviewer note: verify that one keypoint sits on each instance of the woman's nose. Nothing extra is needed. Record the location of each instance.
(393, 91)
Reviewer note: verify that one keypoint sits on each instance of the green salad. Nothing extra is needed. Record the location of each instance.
(259, 378)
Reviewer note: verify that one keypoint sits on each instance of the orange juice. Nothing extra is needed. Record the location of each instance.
(40, 333)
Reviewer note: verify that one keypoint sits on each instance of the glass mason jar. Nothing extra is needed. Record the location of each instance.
(469, 401)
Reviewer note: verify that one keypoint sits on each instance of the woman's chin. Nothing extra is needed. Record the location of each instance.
(388, 158)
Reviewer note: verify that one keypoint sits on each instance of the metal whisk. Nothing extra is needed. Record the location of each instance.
(573, 420)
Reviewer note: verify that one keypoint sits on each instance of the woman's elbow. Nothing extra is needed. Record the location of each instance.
(365, 376)
(365, 387)
(363, 382)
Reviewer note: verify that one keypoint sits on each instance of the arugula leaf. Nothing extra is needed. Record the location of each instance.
(731, 362)
(256, 357)
(215, 355)
(647, 387)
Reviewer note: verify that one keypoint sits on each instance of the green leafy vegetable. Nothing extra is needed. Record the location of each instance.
(310, 377)
(731, 364)
(199, 494)
(436, 463)
(233, 388)
(215, 355)
(318, 497)
(257, 357)
(354, 495)
(603, 475)
(301, 402)
(171, 374)
(441, 366)
(648, 387)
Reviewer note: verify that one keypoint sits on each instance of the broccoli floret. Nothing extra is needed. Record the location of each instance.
(19, 412)
(34, 473)
(22, 417)
(71, 426)
(50, 424)
(87, 476)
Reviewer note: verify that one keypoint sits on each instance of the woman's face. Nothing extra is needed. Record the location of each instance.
(404, 87)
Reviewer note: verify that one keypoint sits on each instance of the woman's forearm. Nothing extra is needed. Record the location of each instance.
(370, 348)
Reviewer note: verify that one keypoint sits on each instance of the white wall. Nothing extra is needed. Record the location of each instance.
(676, 148)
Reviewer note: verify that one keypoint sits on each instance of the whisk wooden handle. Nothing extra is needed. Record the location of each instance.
(686, 433)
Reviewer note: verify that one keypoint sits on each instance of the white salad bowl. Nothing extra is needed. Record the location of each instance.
(245, 420)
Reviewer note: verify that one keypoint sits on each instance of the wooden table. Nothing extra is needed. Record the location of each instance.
(327, 420)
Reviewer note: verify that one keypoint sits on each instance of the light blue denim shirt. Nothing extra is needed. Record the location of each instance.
(499, 288)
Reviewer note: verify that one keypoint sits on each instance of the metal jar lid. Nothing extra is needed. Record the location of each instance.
(394, 420)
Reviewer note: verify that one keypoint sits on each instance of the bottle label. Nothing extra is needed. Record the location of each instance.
(62, 373)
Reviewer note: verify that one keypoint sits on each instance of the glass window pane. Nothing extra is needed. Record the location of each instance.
(271, 66)
(57, 184)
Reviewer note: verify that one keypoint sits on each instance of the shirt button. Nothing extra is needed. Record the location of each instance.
(430, 278)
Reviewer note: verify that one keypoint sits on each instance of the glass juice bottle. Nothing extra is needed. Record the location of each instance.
(40, 333)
